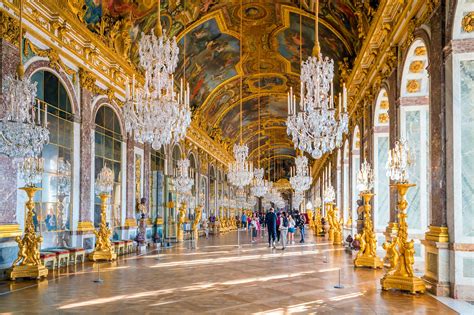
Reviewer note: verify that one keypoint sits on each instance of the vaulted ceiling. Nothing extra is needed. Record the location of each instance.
(271, 56)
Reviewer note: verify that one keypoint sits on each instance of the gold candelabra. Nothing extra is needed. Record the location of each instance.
(103, 246)
(329, 219)
(401, 252)
(310, 214)
(318, 226)
(367, 255)
(181, 221)
(28, 263)
(337, 225)
(197, 220)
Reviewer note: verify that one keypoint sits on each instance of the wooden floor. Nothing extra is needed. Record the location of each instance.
(219, 278)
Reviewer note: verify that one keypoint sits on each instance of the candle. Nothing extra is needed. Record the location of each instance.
(127, 89)
(45, 115)
(344, 94)
(331, 103)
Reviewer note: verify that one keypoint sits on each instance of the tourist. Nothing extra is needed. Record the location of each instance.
(244, 220)
(283, 229)
(300, 222)
(259, 226)
(205, 227)
(278, 227)
(270, 221)
(291, 230)
(253, 226)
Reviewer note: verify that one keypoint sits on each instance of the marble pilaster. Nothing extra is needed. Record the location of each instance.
(130, 220)
(8, 173)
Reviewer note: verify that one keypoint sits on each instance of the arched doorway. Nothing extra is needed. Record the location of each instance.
(355, 164)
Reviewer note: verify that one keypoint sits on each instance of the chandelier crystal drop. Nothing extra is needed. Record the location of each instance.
(183, 180)
(260, 185)
(240, 171)
(365, 178)
(399, 160)
(155, 113)
(22, 134)
(301, 181)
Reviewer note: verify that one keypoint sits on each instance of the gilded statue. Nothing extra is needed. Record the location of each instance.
(392, 254)
(311, 220)
(338, 222)
(318, 226)
(181, 221)
(197, 219)
(367, 255)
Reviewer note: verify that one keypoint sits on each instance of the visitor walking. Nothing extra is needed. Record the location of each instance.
(205, 227)
(283, 229)
(253, 227)
(300, 222)
(244, 221)
(278, 226)
(291, 230)
(270, 221)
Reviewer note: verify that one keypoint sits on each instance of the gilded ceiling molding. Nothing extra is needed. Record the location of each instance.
(9, 28)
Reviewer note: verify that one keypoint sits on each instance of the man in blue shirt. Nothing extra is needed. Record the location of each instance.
(244, 220)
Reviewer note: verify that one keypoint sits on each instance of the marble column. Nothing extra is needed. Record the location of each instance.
(437, 239)
(147, 178)
(8, 174)
(87, 133)
(130, 221)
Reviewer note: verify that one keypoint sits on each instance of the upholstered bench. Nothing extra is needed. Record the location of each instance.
(62, 256)
(128, 246)
(76, 254)
(48, 258)
(119, 247)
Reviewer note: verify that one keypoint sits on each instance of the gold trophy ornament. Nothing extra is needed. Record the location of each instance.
(401, 251)
(367, 255)
(103, 246)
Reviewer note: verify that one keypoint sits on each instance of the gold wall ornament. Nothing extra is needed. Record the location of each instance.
(417, 66)
(9, 28)
(420, 51)
(337, 225)
(330, 219)
(384, 104)
(103, 246)
(401, 252)
(52, 54)
(468, 22)
(413, 86)
(28, 263)
(383, 118)
(367, 255)
(181, 221)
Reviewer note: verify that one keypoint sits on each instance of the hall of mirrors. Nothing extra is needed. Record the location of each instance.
(155, 137)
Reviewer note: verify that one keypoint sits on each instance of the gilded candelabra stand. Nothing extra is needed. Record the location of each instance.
(28, 263)
(181, 221)
(310, 214)
(401, 252)
(103, 246)
(337, 227)
(318, 226)
(367, 255)
(197, 220)
(329, 219)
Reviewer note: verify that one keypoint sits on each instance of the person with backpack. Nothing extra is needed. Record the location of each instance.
(283, 229)
(278, 227)
(300, 223)
(291, 229)
(270, 221)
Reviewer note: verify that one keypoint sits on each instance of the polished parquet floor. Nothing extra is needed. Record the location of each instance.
(218, 278)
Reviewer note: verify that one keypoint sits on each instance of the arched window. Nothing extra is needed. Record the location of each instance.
(355, 170)
(212, 191)
(381, 148)
(157, 196)
(54, 202)
(414, 127)
(192, 167)
(339, 180)
(108, 151)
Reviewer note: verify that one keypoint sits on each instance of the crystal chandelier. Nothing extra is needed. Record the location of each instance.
(365, 177)
(105, 181)
(184, 178)
(298, 198)
(329, 195)
(314, 127)
(300, 180)
(21, 132)
(31, 170)
(399, 160)
(155, 113)
(63, 180)
(260, 185)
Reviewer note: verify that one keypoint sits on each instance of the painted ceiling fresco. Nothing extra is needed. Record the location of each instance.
(270, 63)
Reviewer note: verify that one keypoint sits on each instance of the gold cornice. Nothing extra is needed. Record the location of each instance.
(202, 140)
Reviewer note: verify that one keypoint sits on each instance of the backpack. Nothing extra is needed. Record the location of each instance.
(285, 222)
